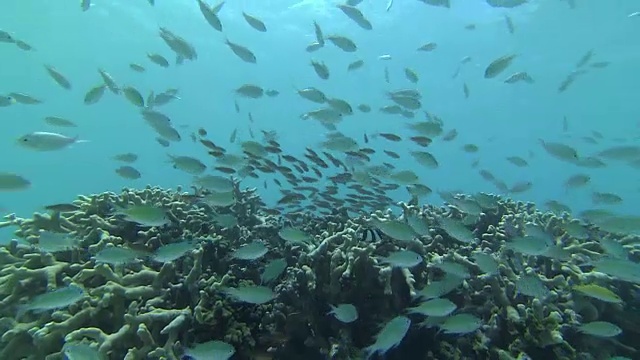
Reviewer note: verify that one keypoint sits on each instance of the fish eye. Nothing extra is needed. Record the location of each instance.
(24, 139)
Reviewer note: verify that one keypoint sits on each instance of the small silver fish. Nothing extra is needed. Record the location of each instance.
(47, 141)
(345, 313)
(59, 298)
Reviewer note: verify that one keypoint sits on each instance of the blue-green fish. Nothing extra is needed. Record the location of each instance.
(434, 307)
(173, 251)
(56, 299)
(402, 259)
(273, 270)
(600, 329)
(210, 350)
(390, 336)
(116, 255)
(81, 351)
(251, 294)
(346, 313)
(251, 251)
(145, 215)
(461, 324)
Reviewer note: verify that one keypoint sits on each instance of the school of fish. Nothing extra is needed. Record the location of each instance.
(360, 173)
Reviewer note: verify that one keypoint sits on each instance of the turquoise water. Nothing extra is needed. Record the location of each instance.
(553, 281)
(502, 119)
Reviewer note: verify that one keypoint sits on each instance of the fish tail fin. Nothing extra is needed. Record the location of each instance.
(77, 140)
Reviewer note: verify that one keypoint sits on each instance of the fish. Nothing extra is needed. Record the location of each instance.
(371, 235)
(509, 23)
(62, 207)
(25, 99)
(428, 47)
(457, 230)
(605, 198)
(411, 75)
(356, 15)
(390, 336)
(460, 324)
(137, 67)
(577, 181)
(242, 52)
(251, 251)
(434, 307)
(453, 268)
(128, 172)
(173, 251)
(145, 215)
(59, 121)
(6, 37)
(402, 259)
(115, 255)
(520, 76)
(312, 94)
(355, 65)
(486, 263)
(498, 65)
(126, 157)
(584, 59)
(560, 151)
(52, 242)
(251, 294)
(158, 60)
(187, 164)
(6, 100)
(619, 268)
(517, 161)
(58, 77)
(81, 351)
(215, 183)
(602, 329)
(93, 95)
(320, 69)
(314, 46)
(395, 229)
(442, 287)
(254, 22)
(345, 313)
(272, 270)
(133, 96)
(317, 30)
(13, 182)
(342, 42)
(598, 292)
(214, 349)
(161, 124)
(47, 141)
(250, 91)
(56, 299)
(294, 236)
(528, 245)
(109, 82)
(220, 199)
(531, 285)
(210, 14)
(506, 3)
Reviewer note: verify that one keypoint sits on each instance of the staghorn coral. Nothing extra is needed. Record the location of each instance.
(149, 308)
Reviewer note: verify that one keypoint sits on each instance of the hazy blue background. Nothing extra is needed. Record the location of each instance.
(502, 119)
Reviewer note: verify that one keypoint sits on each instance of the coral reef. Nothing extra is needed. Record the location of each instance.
(149, 309)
